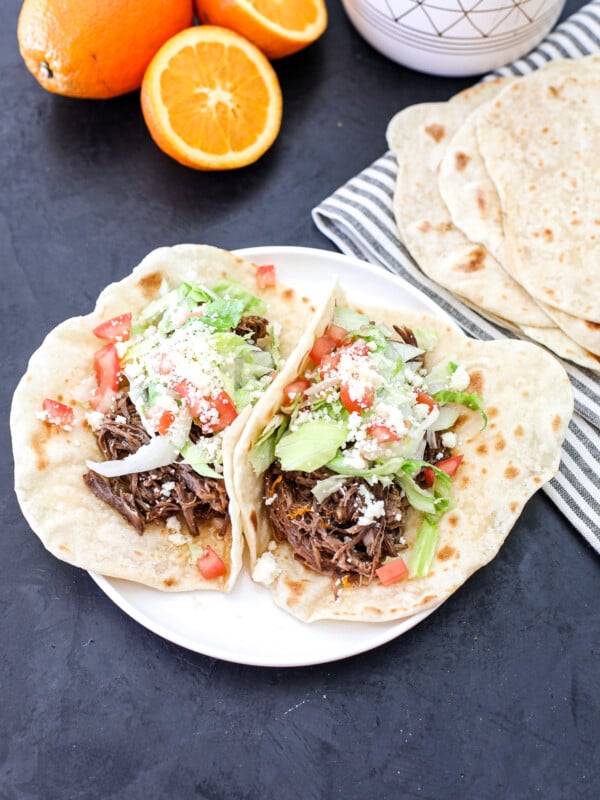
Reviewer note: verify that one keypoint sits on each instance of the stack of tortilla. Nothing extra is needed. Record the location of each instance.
(498, 200)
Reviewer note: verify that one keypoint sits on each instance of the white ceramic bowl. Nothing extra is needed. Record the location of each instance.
(453, 37)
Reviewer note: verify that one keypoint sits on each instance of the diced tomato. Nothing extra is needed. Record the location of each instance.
(357, 397)
(326, 344)
(295, 388)
(448, 465)
(322, 347)
(58, 413)
(330, 362)
(382, 432)
(392, 572)
(337, 333)
(426, 399)
(266, 276)
(160, 419)
(211, 565)
(214, 412)
(117, 329)
(107, 368)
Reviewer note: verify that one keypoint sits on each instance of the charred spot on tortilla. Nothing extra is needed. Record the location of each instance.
(296, 589)
(476, 383)
(424, 226)
(556, 422)
(518, 431)
(445, 552)
(514, 506)
(474, 262)
(500, 443)
(482, 449)
(151, 283)
(170, 581)
(461, 160)
(254, 519)
(492, 412)
(437, 132)
(511, 472)
(288, 294)
(481, 200)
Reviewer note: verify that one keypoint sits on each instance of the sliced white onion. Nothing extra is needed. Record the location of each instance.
(446, 418)
(328, 486)
(406, 351)
(159, 452)
(328, 383)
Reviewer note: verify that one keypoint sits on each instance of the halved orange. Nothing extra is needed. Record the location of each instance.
(278, 27)
(211, 99)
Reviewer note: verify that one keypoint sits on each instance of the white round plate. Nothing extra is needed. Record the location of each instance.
(245, 626)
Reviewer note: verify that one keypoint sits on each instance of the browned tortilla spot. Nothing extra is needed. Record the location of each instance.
(548, 235)
(64, 548)
(484, 471)
(481, 201)
(445, 553)
(296, 591)
(519, 430)
(462, 419)
(424, 226)
(513, 507)
(556, 420)
(150, 284)
(594, 326)
(170, 581)
(476, 384)
(38, 441)
(553, 91)
(525, 393)
(377, 612)
(537, 479)
(305, 300)
(453, 519)
(500, 444)
(492, 412)
(254, 519)
(428, 598)
(464, 481)
(511, 472)
(436, 131)
(461, 160)
(288, 294)
(138, 553)
(444, 227)
(482, 449)
(474, 262)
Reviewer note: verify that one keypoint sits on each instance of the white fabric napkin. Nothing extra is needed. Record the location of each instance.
(359, 219)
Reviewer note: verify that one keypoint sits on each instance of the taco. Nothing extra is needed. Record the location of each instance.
(125, 422)
(390, 459)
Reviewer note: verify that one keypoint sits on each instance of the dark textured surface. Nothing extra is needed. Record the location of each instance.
(493, 696)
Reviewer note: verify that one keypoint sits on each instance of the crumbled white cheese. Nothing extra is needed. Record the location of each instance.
(167, 488)
(449, 439)
(459, 380)
(372, 509)
(270, 500)
(94, 419)
(178, 539)
(421, 411)
(266, 569)
(173, 524)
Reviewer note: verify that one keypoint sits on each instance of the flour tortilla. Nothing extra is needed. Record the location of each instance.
(540, 139)
(474, 205)
(419, 136)
(529, 402)
(70, 521)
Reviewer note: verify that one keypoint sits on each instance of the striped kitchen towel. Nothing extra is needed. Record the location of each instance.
(359, 219)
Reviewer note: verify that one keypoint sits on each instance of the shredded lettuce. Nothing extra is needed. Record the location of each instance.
(195, 293)
(328, 486)
(311, 446)
(222, 314)
(427, 338)
(423, 549)
(197, 457)
(232, 290)
(262, 454)
(472, 401)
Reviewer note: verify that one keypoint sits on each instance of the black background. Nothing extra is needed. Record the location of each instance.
(493, 696)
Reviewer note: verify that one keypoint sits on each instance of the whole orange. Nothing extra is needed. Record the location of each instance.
(96, 48)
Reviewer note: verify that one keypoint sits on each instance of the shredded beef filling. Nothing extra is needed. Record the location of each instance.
(146, 497)
(257, 327)
(328, 536)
